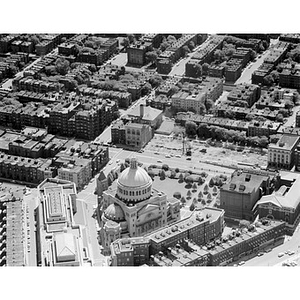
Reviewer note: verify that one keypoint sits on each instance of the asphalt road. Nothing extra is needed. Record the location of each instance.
(272, 259)
(179, 68)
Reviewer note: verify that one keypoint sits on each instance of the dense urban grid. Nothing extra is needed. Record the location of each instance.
(149, 149)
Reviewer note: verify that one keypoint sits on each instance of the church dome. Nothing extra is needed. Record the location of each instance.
(134, 177)
(114, 212)
(134, 184)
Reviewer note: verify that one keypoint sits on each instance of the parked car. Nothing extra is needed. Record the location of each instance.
(159, 161)
(260, 254)
(280, 254)
(188, 158)
(178, 156)
(168, 156)
(241, 263)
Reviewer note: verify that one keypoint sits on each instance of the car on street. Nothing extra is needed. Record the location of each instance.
(188, 158)
(280, 254)
(156, 153)
(110, 162)
(159, 161)
(260, 254)
(178, 156)
(117, 161)
(291, 252)
(168, 156)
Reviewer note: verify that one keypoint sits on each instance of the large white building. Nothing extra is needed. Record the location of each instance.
(134, 208)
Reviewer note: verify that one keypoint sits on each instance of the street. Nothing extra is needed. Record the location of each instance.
(247, 73)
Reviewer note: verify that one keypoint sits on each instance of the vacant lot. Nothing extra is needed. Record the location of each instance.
(219, 154)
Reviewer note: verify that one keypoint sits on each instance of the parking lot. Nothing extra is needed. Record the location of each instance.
(167, 145)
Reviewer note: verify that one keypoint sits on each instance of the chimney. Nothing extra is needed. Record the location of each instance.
(141, 110)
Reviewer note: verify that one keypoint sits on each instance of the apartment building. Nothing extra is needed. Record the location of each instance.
(25, 169)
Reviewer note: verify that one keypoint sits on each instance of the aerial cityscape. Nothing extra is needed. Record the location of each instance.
(153, 149)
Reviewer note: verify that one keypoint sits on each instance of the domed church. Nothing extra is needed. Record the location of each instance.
(134, 208)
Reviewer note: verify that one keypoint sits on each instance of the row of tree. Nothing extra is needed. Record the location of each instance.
(221, 134)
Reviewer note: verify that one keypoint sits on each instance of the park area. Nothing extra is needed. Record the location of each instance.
(194, 190)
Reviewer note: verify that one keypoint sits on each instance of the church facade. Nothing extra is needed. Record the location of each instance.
(134, 208)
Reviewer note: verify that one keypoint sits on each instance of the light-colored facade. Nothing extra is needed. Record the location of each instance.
(79, 172)
(134, 208)
(282, 154)
(59, 238)
(137, 135)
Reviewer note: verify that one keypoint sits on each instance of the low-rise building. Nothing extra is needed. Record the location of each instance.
(77, 170)
(201, 227)
(146, 115)
(137, 135)
(26, 169)
(282, 154)
(284, 203)
(249, 93)
(13, 228)
(60, 241)
(239, 196)
(130, 251)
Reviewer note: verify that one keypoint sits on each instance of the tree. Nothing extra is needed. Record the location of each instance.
(125, 42)
(209, 197)
(62, 66)
(263, 142)
(200, 195)
(151, 56)
(173, 90)
(191, 45)
(194, 187)
(212, 182)
(155, 81)
(185, 50)
(165, 167)
(219, 55)
(173, 174)
(206, 188)
(190, 128)
(189, 194)
(162, 175)
(268, 80)
(146, 89)
(279, 118)
(197, 68)
(215, 190)
(180, 177)
(209, 104)
(177, 195)
(171, 39)
(200, 180)
(192, 207)
(205, 67)
(130, 38)
(183, 201)
(177, 170)
(203, 130)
